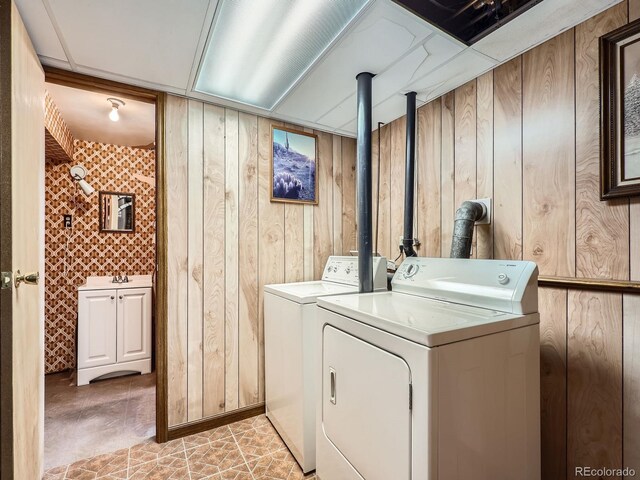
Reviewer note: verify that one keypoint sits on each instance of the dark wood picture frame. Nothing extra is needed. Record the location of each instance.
(612, 147)
(291, 200)
(101, 195)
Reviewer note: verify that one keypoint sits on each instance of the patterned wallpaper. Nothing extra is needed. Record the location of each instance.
(58, 137)
(89, 252)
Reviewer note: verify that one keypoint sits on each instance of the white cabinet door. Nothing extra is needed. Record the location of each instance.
(134, 324)
(96, 328)
(366, 406)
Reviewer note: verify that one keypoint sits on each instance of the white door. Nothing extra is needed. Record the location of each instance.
(96, 328)
(134, 324)
(21, 248)
(366, 410)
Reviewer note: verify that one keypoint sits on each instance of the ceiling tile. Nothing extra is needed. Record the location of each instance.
(382, 36)
(43, 35)
(341, 114)
(154, 41)
(464, 67)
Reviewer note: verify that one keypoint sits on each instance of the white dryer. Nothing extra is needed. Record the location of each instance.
(291, 343)
(437, 379)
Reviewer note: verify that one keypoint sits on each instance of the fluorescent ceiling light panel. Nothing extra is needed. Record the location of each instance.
(257, 50)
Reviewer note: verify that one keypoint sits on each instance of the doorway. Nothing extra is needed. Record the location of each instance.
(100, 392)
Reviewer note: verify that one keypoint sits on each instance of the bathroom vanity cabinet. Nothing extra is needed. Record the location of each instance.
(114, 327)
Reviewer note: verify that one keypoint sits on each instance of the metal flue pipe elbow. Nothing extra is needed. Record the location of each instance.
(466, 217)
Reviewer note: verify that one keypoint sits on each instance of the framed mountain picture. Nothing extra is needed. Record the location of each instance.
(620, 112)
(294, 166)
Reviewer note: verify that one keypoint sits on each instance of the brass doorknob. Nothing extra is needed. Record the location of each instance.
(29, 278)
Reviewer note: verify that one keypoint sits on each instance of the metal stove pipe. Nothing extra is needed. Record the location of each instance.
(409, 178)
(363, 178)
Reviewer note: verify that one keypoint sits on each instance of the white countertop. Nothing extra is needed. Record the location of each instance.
(106, 283)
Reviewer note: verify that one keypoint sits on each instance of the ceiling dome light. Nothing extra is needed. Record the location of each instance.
(116, 103)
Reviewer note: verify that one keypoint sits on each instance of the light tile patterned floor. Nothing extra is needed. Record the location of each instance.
(247, 450)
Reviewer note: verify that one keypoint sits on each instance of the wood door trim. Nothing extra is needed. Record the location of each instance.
(217, 421)
(86, 82)
(6, 310)
(618, 286)
(162, 379)
(99, 85)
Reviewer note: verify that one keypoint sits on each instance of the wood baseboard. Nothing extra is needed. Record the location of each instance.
(215, 422)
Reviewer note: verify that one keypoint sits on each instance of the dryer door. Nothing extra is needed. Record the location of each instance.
(366, 411)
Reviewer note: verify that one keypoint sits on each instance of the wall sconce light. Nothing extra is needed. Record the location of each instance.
(78, 172)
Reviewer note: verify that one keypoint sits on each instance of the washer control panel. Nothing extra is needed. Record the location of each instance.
(345, 270)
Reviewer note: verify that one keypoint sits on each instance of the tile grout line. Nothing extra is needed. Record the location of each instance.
(186, 458)
(233, 435)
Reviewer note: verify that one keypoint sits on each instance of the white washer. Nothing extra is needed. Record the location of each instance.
(291, 346)
(438, 379)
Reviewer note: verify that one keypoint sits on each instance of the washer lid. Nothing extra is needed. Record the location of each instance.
(308, 292)
(424, 320)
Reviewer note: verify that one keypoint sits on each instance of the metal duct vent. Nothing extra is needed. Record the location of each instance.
(467, 20)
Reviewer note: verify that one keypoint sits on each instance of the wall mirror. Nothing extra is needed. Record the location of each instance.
(620, 112)
(117, 212)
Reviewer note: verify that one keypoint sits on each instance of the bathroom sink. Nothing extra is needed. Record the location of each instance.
(107, 283)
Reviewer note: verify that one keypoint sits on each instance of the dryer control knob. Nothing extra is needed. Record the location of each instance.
(503, 279)
(411, 271)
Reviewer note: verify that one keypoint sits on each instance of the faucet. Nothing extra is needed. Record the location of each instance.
(125, 279)
(117, 279)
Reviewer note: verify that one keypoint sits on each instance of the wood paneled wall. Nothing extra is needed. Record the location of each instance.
(527, 135)
(226, 240)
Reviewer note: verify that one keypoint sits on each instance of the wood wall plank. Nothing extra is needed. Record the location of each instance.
(294, 242)
(323, 212)
(177, 260)
(349, 223)
(248, 260)
(465, 166)
(231, 260)
(631, 381)
(594, 380)
(336, 191)
(195, 260)
(507, 202)
(631, 328)
(602, 240)
(634, 9)
(549, 156)
(398, 153)
(428, 178)
(552, 305)
(374, 184)
(271, 247)
(308, 233)
(447, 173)
(484, 148)
(385, 246)
(213, 395)
(634, 209)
